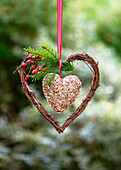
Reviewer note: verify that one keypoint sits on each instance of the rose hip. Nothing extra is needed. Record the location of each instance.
(32, 62)
(40, 68)
(27, 76)
(29, 61)
(33, 66)
(24, 64)
(34, 71)
(30, 55)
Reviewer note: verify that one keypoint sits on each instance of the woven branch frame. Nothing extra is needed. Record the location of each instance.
(94, 85)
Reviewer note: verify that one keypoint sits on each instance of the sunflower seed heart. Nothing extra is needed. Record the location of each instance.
(61, 93)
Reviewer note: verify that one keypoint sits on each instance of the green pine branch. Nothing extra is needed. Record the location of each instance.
(50, 50)
(48, 59)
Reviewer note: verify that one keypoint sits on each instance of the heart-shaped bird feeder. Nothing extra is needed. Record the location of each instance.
(66, 89)
(61, 93)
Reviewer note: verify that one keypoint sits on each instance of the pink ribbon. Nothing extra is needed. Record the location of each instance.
(59, 31)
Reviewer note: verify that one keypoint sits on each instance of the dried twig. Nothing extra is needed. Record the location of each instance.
(94, 85)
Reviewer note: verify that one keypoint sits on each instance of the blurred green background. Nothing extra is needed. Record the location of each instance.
(93, 140)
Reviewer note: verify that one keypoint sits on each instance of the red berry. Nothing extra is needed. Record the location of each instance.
(34, 71)
(33, 66)
(40, 57)
(44, 65)
(27, 76)
(32, 62)
(44, 70)
(29, 61)
(40, 68)
(24, 64)
(30, 55)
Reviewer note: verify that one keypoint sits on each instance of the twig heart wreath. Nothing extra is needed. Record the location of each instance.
(60, 93)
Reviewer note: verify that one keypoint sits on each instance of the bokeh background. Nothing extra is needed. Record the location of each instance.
(93, 140)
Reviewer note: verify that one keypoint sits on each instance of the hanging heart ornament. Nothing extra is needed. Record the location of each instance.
(61, 93)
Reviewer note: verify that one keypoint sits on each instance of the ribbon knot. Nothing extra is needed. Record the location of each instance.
(60, 64)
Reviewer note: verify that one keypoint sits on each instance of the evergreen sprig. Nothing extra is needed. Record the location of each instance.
(42, 61)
